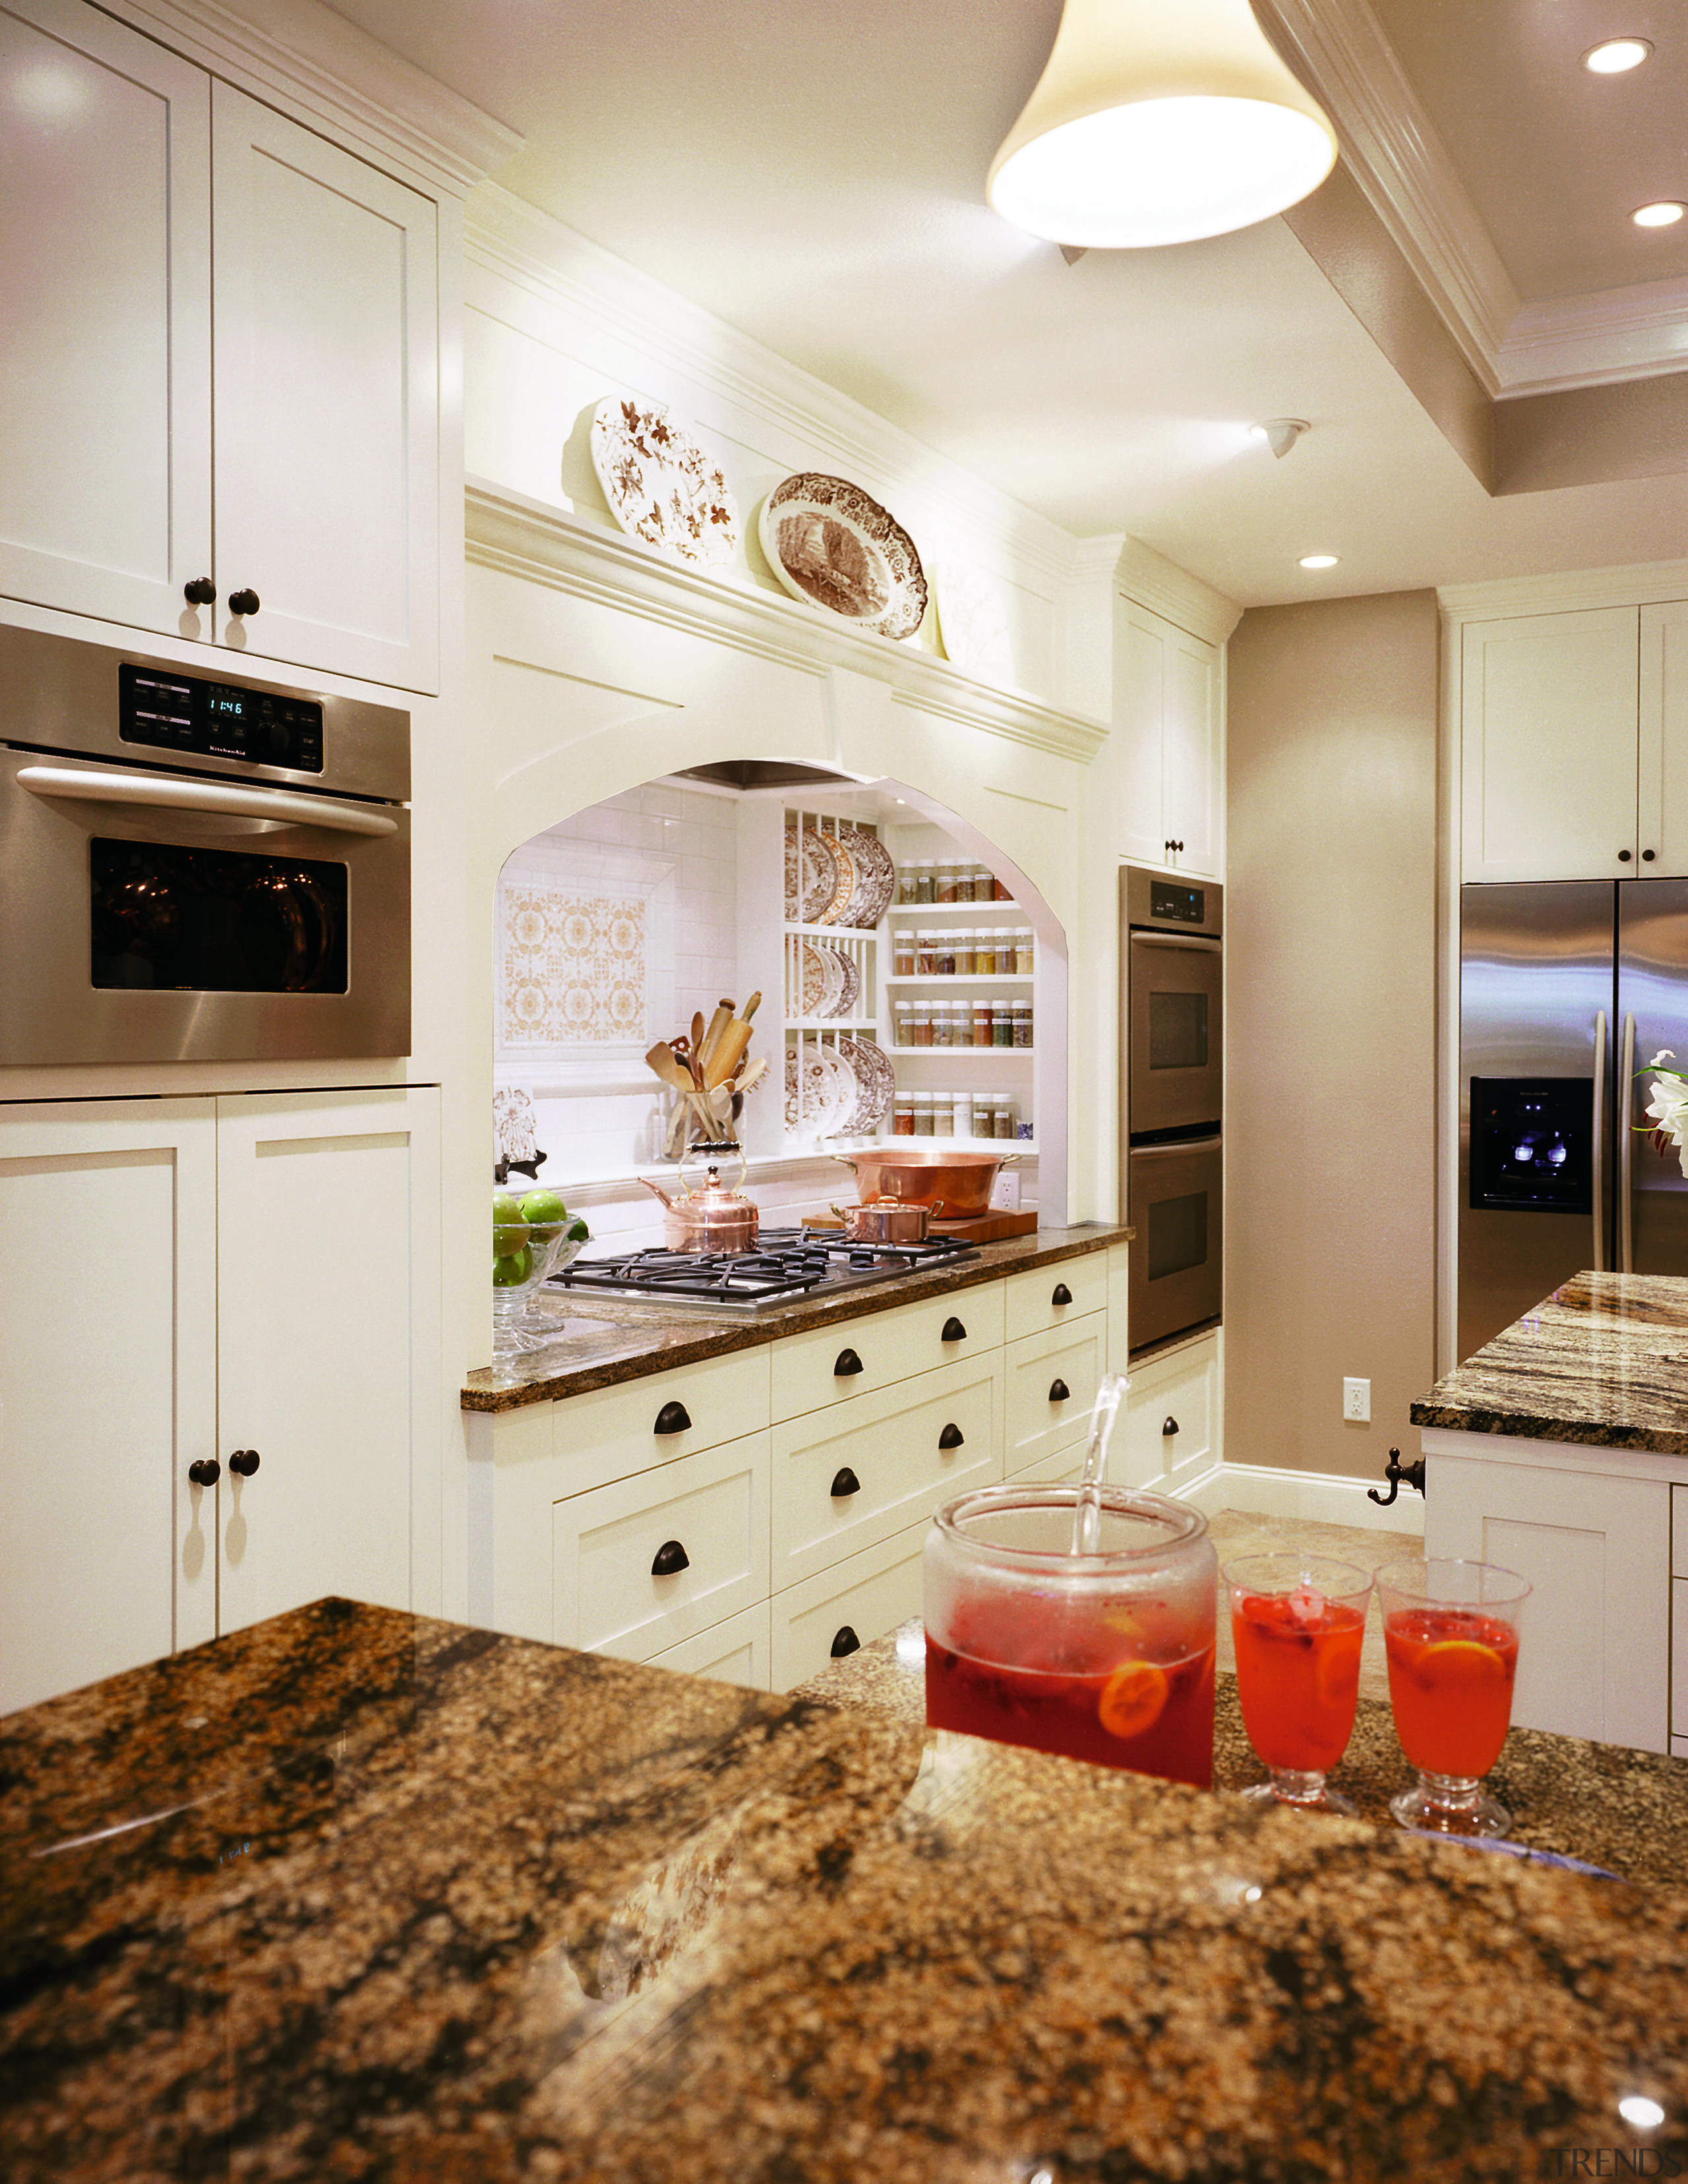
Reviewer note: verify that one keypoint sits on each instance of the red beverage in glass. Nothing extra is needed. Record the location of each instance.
(1298, 1675)
(1450, 1673)
(1120, 1686)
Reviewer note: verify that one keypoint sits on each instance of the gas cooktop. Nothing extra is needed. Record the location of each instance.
(788, 1263)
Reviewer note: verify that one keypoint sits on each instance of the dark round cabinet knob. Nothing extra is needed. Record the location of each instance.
(1061, 1295)
(671, 1559)
(1059, 1392)
(244, 602)
(1168, 1426)
(951, 1437)
(206, 1472)
(1648, 856)
(953, 1330)
(846, 1365)
(845, 1641)
(1623, 856)
(200, 592)
(672, 1418)
(844, 1481)
(244, 1461)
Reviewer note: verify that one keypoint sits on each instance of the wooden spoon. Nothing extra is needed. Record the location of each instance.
(698, 1034)
(753, 1075)
(663, 1060)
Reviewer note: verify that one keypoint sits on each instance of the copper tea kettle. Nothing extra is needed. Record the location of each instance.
(712, 1218)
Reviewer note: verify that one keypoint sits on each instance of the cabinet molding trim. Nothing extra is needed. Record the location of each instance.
(1642, 583)
(325, 66)
(1147, 579)
(507, 532)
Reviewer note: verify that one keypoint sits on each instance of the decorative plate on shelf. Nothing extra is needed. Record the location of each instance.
(791, 1082)
(834, 913)
(972, 622)
(660, 485)
(876, 877)
(831, 1090)
(820, 875)
(833, 545)
(876, 1079)
(813, 976)
(793, 871)
(849, 990)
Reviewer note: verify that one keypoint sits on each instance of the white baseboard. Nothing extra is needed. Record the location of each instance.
(1318, 1497)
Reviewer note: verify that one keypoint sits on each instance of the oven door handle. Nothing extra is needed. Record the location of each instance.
(158, 792)
(1176, 940)
(1178, 1145)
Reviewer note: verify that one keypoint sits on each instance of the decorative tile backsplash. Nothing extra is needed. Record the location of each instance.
(574, 967)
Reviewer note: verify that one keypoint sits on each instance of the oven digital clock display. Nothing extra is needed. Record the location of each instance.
(203, 719)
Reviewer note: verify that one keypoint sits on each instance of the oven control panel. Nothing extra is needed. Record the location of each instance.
(191, 714)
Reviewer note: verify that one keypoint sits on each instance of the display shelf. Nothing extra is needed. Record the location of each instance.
(831, 931)
(958, 1053)
(966, 978)
(951, 910)
(854, 1025)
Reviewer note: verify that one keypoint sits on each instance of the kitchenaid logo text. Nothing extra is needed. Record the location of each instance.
(1611, 2161)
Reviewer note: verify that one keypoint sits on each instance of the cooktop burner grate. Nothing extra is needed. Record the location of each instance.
(787, 1263)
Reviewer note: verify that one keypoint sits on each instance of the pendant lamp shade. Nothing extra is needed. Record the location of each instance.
(1158, 121)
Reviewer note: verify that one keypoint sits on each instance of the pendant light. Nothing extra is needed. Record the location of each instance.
(1158, 121)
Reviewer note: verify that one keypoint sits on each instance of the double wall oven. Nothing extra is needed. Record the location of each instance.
(196, 868)
(1172, 1103)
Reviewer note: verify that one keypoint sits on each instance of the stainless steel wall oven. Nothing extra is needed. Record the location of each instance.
(196, 868)
(1172, 1104)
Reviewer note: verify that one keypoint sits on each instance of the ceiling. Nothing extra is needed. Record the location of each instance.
(813, 175)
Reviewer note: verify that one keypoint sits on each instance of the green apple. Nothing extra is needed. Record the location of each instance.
(509, 1228)
(545, 1209)
(511, 1271)
(577, 1233)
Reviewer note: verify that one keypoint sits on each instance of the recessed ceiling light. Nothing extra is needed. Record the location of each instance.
(1665, 214)
(1615, 55)
(1317, 561)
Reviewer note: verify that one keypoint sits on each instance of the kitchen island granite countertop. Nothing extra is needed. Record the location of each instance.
(1602, 1363)
(602, 1340)
(354, 1894)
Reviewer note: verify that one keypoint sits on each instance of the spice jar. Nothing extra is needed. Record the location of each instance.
(904, 884)
(1023, 953)
(943, 1115)
(903, 953)
(944, 955)
(922, 869)
(999, 891)
(926, 953)
(943, 881)
(1007, 1116)
(920, 1023)
(965, 942)
(902, 1116)
(961, 1116)
(1023, 1023)
(1001, 1021)
(902, 1021)
(981, 1017)
(923, 1115)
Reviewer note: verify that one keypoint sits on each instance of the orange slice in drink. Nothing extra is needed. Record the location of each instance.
(1462, 1661)
(1132, 1698)
(1336, 1673)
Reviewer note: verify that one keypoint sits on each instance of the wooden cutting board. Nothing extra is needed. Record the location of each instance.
(989, 1227)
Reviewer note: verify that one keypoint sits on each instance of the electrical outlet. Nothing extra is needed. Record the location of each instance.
(1356, 1402)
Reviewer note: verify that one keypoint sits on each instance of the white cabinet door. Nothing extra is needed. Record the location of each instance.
(328, 1301)
(108, 1388)
(105, 234)
(1662, 804)
(1170, 731)
(1548, 707)
(1171, 1418)
(327, 435)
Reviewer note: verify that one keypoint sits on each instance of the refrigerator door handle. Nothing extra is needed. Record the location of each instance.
(1599, 1259)
(1626, 1139)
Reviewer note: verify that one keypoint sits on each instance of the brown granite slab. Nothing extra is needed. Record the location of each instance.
(1603, 1361)
(357, 1896)
(603, 1340)
(1603, 1804)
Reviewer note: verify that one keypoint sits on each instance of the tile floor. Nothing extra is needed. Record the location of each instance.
(1236, 1532)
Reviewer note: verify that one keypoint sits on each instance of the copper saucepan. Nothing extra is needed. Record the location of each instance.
(888, 1221)
(960, 1180)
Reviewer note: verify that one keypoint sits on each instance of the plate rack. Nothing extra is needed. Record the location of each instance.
(831, 989)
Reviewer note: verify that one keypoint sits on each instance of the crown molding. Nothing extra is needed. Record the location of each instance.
(514, 536)
(1639, 584)
(509, 238)
(1597, 338)
(1149, 580)
(303, 52)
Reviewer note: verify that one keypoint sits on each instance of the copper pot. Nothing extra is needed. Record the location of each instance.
(888, 1221)
(711, 1219)
(959, 1181)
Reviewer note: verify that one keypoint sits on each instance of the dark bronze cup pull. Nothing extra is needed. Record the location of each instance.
(671, 1559)
(1059, 1392)
(1168, 1426)
(845, 1641)
(244, 1461)
(1062, 1294)
(206, 1472)
(672, 1418)
(951, 1438)
(844, 1482)
(846, 1364)
(953, 1331)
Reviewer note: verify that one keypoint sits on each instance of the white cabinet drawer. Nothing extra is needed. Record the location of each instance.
(613, 1432)
(841, 1481)
(1059, 1467)
(1054, 1297)
(883, 1347)
(860, 1600)
(1679, 1653)
(735, 1651)
(609, 1592)
(1170, 1414)
(1678, 1531)
(1052, 1389)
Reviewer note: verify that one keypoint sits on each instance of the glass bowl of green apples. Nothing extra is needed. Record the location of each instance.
(534, 1235)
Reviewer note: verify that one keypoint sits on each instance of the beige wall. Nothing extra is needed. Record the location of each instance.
(1331, 1001)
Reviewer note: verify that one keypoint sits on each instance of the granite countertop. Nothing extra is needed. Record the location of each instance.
(601, 1341)
(353, 1894)
(1603, 1363)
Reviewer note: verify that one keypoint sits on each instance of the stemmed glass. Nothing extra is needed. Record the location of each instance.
(1452, 1637)
(1299, 1622)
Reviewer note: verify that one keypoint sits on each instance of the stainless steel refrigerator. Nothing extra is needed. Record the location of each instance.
(1566, 990)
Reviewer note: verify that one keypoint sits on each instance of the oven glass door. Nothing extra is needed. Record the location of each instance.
(1176, 1077)
(1175, 1204)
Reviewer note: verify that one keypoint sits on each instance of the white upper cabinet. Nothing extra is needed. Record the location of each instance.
(105, 316)
(177, 255)
(1662, 804)
(1551, 741)
(1169, 708)
(326, 348)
